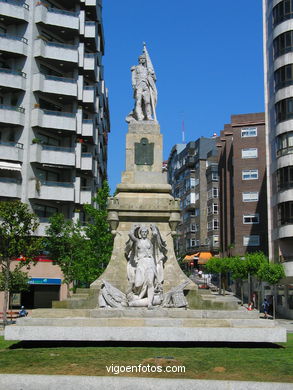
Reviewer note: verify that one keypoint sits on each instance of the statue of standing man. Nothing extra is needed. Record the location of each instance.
(144, 89)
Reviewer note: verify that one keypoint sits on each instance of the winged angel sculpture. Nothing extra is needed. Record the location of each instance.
(145, 272)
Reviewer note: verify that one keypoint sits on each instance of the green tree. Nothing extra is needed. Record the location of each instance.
(17, 225)
(98, 231)
(220, 266)
(82, 252)
(67, 246)
(271, 273)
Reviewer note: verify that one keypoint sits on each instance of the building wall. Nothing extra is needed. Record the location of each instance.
(188, 168)
(278, 63)
(54, 116)
(243, 200)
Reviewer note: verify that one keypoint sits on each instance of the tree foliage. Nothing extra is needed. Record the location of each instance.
(271, 273)
(17, 225)
(82, 252)
(98, 230)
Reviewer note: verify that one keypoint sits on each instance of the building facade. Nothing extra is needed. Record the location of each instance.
(193, 174)
(54, 117)
(278, 69)
(242, 174)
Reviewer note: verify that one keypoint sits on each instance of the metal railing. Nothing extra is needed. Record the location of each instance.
(14, 37)
(11, 71)
(14, 144)
(62, 45)
(59, 113)
(284, 151)
(85, 188)
(89, 55)
(63, 12)
(17, 3)
(86, 154)
(50, 183)
(10, 180)
(12, 108)
(65, 149)
(89, 87)
(90, 121)
(63, 79)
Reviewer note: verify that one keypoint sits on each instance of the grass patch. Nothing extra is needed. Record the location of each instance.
(266, 364)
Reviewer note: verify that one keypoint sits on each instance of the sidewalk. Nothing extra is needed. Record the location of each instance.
(69, 382)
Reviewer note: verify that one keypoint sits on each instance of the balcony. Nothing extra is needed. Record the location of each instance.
(86, 162)
(85, 195)
(56, 51)
(12, 78)
(14, 9)
(54, 119)
(41, 229)
(54, 84)
(47, 154)
(51, 190)
(285, 231)
(11, 151)
(13, 44)
(10, 187)
(88, 129)
(13, 115)
(57, 17)
(91, 3)
(90, 30)
(90, 61)
(89, 94)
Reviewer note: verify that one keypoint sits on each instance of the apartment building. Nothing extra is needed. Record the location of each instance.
(54, 116)
(278, 69)
(243, 193)
(193, 174)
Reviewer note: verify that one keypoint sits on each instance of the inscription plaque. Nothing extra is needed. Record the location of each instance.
(144, 152)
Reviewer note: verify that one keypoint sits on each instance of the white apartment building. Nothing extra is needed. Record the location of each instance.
(278, 63)
(54, 117)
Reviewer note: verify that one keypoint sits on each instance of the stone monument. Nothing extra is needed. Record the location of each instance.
(143, 295)
(143, 270)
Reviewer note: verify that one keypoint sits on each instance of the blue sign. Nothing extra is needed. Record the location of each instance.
(44, 281)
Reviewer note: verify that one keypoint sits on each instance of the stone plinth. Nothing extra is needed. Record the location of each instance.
(148, 329)
(143, 197)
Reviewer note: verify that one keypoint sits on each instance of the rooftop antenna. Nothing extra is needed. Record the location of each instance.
(183, 131)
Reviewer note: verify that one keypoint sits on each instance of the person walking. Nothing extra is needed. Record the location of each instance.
(265, 306)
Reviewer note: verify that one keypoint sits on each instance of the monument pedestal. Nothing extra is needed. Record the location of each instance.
(143, 198)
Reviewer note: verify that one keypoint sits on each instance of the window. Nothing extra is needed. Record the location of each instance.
(196, 212)
(47, 175)
(285, 213)
(251, 219)
(282, 11)
(249, 132)
(283, 43)
(285, 144)
(285, 178)
(215, 241)
(213, 224)
(249, 153)
(283, 77)
(284, 110)
(250, 174)
(251, 240)
(44, 211)
(213, 193)
(193, 227)
(213, 209)
(250, 196)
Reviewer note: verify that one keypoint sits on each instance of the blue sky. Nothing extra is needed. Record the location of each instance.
(207, 57)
